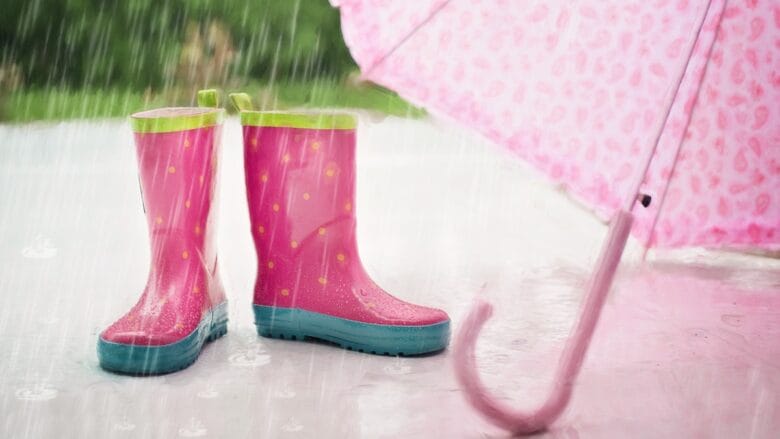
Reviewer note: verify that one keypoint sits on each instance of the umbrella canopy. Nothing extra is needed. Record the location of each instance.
(611, 99)
(577, 88)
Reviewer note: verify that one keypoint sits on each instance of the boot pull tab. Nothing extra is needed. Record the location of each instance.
(241, 101)
(208, 98)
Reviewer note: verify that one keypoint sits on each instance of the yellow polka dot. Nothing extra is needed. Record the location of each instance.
(340, 257)
(186, 143)
(171, 169)
(197, 230)
(370, 305)
(322, 231)
(185, 254)
(196, 290)
(179, 326)
(200, 180)
(348, 206)
(322, 280)
(264, 178)
(315, 146)
(158, 220)
(187, 204)
(306, 196)
(254, 143)
(294, 244)
(285, 292)
(275, 207)
(270, 264)
(285, 158)
(330, 172)
(260, 229)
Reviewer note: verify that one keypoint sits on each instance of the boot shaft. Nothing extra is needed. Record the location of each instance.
(178, 153)
(300, 178)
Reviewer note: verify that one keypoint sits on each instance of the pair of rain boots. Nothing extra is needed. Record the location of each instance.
(300, 180)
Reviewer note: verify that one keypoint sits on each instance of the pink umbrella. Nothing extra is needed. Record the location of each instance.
(676, 99)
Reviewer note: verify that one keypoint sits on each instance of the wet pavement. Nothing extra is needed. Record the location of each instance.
(688, 345)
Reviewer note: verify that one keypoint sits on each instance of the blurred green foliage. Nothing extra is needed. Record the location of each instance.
(143, 43)
(62, 59)
(62, 103)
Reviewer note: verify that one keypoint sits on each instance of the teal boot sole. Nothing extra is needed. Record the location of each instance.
(156, 360)
(395, 340)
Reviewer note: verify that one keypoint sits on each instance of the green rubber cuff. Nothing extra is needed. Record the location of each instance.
(286, 119)
(312, 120)
(208, 115)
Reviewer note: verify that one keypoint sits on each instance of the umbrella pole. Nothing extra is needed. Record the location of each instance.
(526, 422)
(660, 200)
(671, 96)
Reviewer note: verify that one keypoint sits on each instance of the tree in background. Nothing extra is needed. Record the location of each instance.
(206, 56)
(159, 44)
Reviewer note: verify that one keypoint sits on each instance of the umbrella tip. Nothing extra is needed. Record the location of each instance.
(645, 200)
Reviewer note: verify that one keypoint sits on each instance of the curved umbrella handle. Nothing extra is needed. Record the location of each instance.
(526, 422)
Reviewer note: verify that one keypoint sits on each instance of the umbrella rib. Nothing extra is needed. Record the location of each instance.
(662, 198)
(406, 37)
(671, 97)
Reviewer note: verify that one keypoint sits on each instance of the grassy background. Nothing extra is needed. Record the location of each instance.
(27, 105)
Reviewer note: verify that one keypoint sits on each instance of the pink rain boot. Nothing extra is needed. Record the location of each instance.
(183, 304)
(300, 179)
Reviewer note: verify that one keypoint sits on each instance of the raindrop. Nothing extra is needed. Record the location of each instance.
(208, 393)
(285, 392)
(124, 425)
(292, 425)
(38, 392)
(194, 429)
(40, 248)
(249, 358)
(399, 367)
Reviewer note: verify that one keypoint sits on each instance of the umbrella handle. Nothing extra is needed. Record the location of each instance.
(526, 422)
